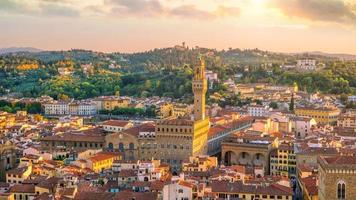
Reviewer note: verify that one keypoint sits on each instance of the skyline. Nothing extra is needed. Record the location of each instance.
(139, 25)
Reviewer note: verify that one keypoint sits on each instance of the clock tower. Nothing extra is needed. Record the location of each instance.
(200, 87)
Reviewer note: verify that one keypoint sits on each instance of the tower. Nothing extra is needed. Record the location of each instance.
(200, 86)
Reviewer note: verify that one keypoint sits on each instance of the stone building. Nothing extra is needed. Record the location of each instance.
(178, 139)
(337, 178)
(171, 140)
(7, 158)
(248, 149)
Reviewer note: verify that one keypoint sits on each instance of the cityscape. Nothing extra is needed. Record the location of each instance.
(118, 100)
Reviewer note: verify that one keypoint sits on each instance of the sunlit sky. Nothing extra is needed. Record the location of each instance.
(138, 25)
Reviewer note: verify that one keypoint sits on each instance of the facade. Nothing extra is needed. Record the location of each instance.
(325, 115)
(347, 120)
(116, 125)
(257, 110)
(178, 139)
(306, 64)
(70, 108)
(102, 161)
(18, 175)
(337, 177)
(302, 126)
(178, 190)
(7, 158)
(218, 133)
(283, 161)
(200, 163)
(351, 98)
(76, 141)
(250, 150)
(111, 102)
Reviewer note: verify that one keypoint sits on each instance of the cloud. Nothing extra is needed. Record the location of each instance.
(190, 11)
(321, 10)
(155, 8)
(58, 10)
(48, 8)
(136, 7)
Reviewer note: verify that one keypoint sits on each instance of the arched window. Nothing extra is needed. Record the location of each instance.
(341, 190)
(131, 146)
(111, 146)
(121, 146)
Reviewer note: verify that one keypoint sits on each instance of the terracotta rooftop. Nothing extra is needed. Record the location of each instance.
(23, 188)
(239, 187)
(130, 195)
(146, 127)
(119, 123)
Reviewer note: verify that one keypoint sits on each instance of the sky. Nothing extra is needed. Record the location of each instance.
(139, 25)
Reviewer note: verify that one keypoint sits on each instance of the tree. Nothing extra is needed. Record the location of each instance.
(291, 105)
(273, 105)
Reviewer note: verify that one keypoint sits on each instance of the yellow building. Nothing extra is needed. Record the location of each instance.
(111, 102)
(102, 161)
(18, 175)
(324, 115)
(200, 163)
(283, 161)
(7, 196)
(165, 110)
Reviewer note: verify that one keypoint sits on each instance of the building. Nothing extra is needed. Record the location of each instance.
(116, 125)
(102, 161)
(75, 140)
(257, 110)
(302, 126)
(165, 110)
(322, 115)
(309, 156)
(200, 163)
(347, 120)
(337, 178)
(306, 64)
(248, 149)
(351, 98)
(218, 133)
(238, 190)
(283, 161)
(18, 175)
(178, 190)
(81, 108)
(111, 102)
(178, 139)
(212, 78)
(7, 158)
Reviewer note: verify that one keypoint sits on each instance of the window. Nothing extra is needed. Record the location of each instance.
(180, 191)
(121, 146)
(131, 146)
(341, 191)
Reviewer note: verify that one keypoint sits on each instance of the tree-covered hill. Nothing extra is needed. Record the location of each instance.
(163, 72)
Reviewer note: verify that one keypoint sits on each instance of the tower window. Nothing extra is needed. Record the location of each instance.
(341, 191)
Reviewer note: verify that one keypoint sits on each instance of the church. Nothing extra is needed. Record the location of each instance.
(170, 140)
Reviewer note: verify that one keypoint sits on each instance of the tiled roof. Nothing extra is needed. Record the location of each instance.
(119, 123)
(129, 195)
(23, 188)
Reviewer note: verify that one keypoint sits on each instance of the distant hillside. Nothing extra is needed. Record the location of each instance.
(19, 49)
(335, 55)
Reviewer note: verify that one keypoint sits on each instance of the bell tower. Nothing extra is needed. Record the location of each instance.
(200, 86)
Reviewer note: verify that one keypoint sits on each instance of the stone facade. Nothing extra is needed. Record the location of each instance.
(337, 178)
